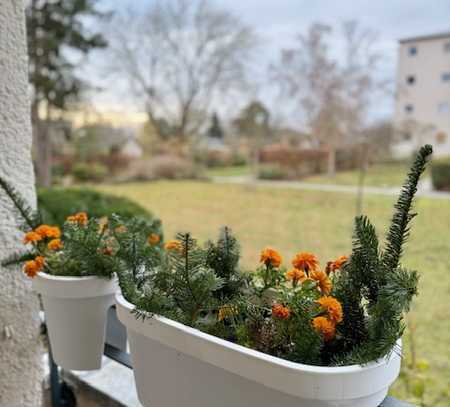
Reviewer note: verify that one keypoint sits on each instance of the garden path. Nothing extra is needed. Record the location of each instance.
(425, 189)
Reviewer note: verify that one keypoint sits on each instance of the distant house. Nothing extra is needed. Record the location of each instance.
(97, 140)
(131, 148)
(422, 108)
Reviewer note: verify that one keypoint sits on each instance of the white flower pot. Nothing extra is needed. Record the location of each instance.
(175, 365)
(75, 314)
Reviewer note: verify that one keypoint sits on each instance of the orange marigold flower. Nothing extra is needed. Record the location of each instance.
(120, 229)
(32, 267)
(323, 282)
(325, 327)
(45, 231)
(305, 261)
(271, 257)
(55, 244)
(295, 275)
(280, 311)
(107, 251)
(227, 311)
(102, 224)
(338, 263)
(32, 237)
(154, 239)
(81, 218)
(333, 308)
(173, 245)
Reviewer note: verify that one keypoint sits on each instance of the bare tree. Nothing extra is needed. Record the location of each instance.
(178, 56)
(333, 93)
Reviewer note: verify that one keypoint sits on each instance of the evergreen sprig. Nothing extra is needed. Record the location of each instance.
(192, 282)
(31, 218)
(223, 257)
(399, 229)
(373, 289)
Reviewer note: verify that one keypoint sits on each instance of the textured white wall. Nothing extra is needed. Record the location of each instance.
(20, 373)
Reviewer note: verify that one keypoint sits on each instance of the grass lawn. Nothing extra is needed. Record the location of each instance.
(321, 222)
(378, 175)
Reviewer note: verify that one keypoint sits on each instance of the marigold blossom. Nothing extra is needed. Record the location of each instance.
(323, 282)
(32, 267)
(81, 218)
(338, 263)
(333, 308)
(295, 275)
(31, 237)
(154, 239)
(271, 257)
(55, 244)
(107, 251)
(305, 261)
(173, 245)
(120, 229)
(46, 231)
(280, 311)
(226, 311)
(325, 327)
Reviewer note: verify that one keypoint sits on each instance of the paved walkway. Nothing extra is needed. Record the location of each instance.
(424, 188)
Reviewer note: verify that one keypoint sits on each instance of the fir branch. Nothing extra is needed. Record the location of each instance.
(31, 218)
(17, 258)
(399, 229)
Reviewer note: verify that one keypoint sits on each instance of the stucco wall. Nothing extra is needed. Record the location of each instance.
(20, 373)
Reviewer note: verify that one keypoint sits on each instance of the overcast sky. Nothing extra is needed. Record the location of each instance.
(277, 22)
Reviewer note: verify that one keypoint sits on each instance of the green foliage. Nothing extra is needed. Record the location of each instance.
(215, 130)
(87, 251)
(30, 217)
(58, 203)
(440, 173)
(182, 286)
(53, 27)
(138, 258)
(374, 290)
(223, 258)
(399, 230)
(272, 172)
(94, 172)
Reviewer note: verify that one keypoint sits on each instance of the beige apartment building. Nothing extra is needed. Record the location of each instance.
(422, 106)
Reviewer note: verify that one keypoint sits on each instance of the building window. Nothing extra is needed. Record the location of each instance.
(410, 79)
(409, 108)
(447, 47)
(412, 51)
(446, 77)
(444, 107)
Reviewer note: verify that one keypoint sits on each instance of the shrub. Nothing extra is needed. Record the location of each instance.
(58, 203)
(298, 162)
(272, 172)
(440, 173)
(238, 159)
(89, 172)
(162, 167)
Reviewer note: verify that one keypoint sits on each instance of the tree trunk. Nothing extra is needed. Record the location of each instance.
(331, 161)
(42, 147)
(20, 348)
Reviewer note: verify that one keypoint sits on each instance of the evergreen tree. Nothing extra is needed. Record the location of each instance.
(52, 28)
(215, 130)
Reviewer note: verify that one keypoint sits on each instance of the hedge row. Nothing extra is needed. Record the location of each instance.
(440, 173)
(56, 204)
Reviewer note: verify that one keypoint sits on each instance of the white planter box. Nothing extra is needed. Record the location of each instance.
(175, 365)
(75, 314)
